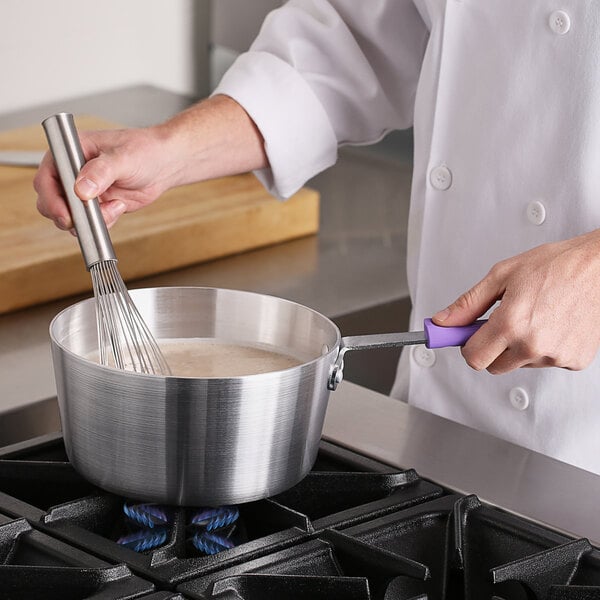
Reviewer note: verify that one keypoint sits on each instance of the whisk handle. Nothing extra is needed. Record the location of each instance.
(92, 232)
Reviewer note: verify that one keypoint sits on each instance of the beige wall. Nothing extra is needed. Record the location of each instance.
(53, 49)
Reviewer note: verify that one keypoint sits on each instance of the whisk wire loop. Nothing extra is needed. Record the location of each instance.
(124, 338)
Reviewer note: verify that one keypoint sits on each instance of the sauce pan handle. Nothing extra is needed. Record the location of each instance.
(433, 336)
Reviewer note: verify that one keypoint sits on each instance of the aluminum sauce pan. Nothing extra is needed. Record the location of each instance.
(196, 441)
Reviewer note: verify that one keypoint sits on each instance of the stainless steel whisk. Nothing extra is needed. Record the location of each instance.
(124, 339)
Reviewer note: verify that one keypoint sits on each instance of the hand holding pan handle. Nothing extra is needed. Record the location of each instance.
(445, 337)
(433, 336)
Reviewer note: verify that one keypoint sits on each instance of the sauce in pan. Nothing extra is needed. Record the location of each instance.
(196, 357)
(211, 358)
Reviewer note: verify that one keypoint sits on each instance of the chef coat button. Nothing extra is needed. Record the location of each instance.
(559, 22)
(423, 356)
(440, 177)
(536, 212)
(519, 398)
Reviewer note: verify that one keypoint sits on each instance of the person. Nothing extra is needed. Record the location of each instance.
(504, 100)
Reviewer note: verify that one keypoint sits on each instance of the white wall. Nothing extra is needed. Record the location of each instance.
(55, 49)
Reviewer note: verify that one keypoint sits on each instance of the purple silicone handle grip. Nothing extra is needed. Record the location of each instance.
(443, 337)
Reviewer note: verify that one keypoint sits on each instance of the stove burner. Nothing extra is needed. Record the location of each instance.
(213, 543)
(213, 527)
(215, 518)
(144, 539)
(147, 515)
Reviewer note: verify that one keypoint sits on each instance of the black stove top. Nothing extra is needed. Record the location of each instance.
(352, 529)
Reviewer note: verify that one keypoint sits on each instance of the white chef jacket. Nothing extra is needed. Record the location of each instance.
(504, 98)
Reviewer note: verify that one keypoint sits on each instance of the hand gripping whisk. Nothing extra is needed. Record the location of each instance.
(124, 339)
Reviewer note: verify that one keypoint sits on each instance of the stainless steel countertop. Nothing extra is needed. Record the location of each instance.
(356, 261)
(465, 460)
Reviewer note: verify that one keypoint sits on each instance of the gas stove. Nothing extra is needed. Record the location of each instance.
(354, 529)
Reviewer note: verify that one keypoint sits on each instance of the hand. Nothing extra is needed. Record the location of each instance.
(128, 169)
(125, 169)
(549, 315)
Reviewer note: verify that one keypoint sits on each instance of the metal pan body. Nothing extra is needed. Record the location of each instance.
(196, 441)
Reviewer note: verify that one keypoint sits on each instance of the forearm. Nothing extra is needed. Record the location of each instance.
(213, 138)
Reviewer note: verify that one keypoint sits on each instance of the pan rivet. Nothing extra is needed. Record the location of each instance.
(336, 375)
(324, 349)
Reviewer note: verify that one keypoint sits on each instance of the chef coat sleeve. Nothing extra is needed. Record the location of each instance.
(323, 74)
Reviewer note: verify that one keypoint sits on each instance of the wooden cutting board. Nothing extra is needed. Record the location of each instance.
(187, 225)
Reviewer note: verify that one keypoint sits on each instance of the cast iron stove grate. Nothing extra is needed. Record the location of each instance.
(379, 535)
(34, 565)
(342, 490)
(450, 548)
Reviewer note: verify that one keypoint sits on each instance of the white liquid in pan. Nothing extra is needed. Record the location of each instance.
(211, 358)
(196, 357)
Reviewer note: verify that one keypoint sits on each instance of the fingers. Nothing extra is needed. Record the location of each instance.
(485, 346)
(95, 177)
(473, 303)
(508, 340)
(512, 359)
(504, 344)
(50, 201)
(497, 345)
(522, 355)
(112, 210)
(125, 170)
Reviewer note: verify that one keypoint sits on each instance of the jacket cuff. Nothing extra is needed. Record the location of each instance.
(299, 139)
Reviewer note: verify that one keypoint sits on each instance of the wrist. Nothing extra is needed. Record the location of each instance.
(170, 154)
(213, 138)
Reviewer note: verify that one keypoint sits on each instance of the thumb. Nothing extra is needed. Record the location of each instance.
(95, 177)
(471, 305)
